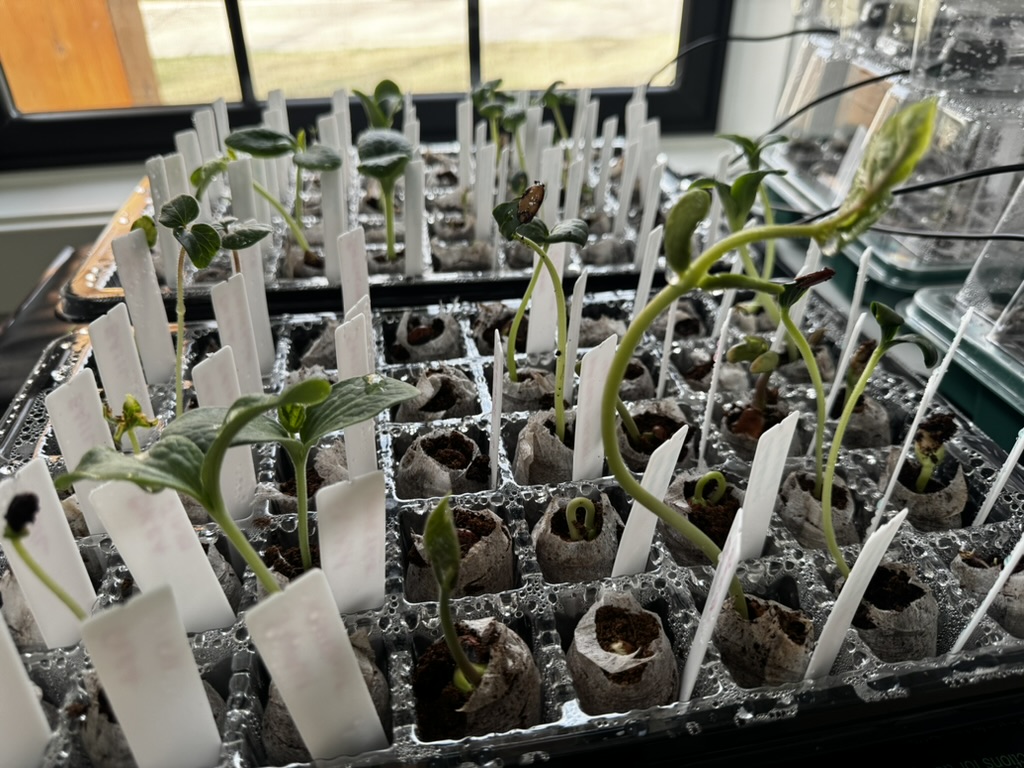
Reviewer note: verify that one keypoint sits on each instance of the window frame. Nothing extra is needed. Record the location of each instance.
(47, 140)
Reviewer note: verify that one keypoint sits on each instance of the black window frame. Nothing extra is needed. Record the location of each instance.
(129, 135)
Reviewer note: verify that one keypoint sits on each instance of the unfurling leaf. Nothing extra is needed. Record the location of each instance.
(204, 175)
(261, 142)
(684, 218)
(888, 319)
(441, 541)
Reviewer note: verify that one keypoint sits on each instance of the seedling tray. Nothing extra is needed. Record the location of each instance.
(863, 698)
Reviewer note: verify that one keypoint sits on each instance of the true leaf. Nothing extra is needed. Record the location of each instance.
(492, 110)
(512, 119)
(201, 243)
(744, 193)
(261, 142)
(319, 157)
(351, 401)
(148, 226)
(441, 542)
(179, 212)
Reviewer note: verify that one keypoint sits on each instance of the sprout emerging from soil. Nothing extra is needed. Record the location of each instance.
(130, 419)
(930, 446)
(588, 531)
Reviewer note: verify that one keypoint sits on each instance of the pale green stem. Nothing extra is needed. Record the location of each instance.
(819, 394)
(133, 438)
(299, 456)
(298, 194)
(627, 347)
(43, 576)
(769, 307)
(768, 265)
(389, 220)
(469, 670)
(628, 422)
(927, 467)
(833, 458)
(520, 151)
(513, 333)
(588, 532)
(179, 362)
(293, 225)
(563, 130)
(720, 487)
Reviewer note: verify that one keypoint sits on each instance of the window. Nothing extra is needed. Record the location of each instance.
(98, 81)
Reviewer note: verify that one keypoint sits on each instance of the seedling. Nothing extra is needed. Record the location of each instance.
(721, 486)
(517, 222)
(189, 454)
(236, 236)
(496, 107)
(130, 419)
(930, 446)
(442, 545)
(554, 100)
(383, 105)
(588, 531)
(763, 362)
(383, 155)
(21, 513)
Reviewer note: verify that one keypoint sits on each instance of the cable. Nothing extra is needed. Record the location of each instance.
(710, 39)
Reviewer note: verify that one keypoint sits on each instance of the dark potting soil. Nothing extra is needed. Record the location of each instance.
(789, 621)
(699, 371)
(625, 632)
(470, 526)
(421, 334)
(976, 560)
(288, 560)
(754, 422)
(655, 429)
(455, 451)
(714, 519)
(941, 476)
(634, 370)
(806, 483)
(437, 698)
(570, 432)
(888, 590)
(313, 484)
(560, 526)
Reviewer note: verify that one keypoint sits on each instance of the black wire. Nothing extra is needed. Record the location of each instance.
(975, 236)
(710, 39)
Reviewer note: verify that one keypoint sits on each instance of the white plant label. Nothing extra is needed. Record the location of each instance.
(243, 196)
(303, 641)
(205, 123)
(362, 307)
(540, 333)
(725, 571)
(411, 131)
(651, 188)
(340, 108)
(145, 664)
(631, 166)
(650, 146)
(827, 646)
(1004, 576)
(531, 140)
(350, 524)
(52, 544)
(479, 138)
(168, 246)
(715, 215)
(186, 144)
(497, 393)
(856, 300)
(24, 730)
(464, 135)
(160, 547)
(666, 348)
(647, 267)
(415, 218)
(261, 169)
(335, 219)
(220, 120)
(848, 348)
(483, 191)
(635, 542)
(355, 274)
(76, 414)
(145, 305)
(117, 359)
(609, 129)
(572, 336)
(1001, 479)
(177, 178)
(636, 114)
(579, 118)
(763, 485)
(251, 262)
(216, 383)
(709, 406)
(590, 130)
(551, 176)
(231, 309)
(573, 190)
(588, 450)
(354, 360)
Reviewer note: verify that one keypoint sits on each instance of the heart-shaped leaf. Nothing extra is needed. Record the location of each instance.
(204, 175)
(383, 154)
(512, 119)
(319, 157)
(244, 235)
(201, 243)
(261, 142)
(573, 231)
(148, 227)
(179, 212)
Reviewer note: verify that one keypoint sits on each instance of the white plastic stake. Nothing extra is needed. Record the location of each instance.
(715, 215)
(588, 451)
(333, 202)
(796, 312)
(153, 534)
(763, 485)
(531, 140)
(145, 664)
(243, 195)
(205, 123)
(145, 305)
(497, 393)
(926, 400)
(1001, 479)
(483, 185)
(1004, 575)
(844, 361)
(551, 177)
(76, 414)
(724, 573)
(350, 521)
(590, 131)
(609, 130)
(354, 360)
(220, 119)
(540, 333)
(728, 299)
(52, 544)
(628, 184)
(855, 303)
(177, 180)
(479, 136)
(251, 262)
(362, 307)
(832, 634)
(464, 135)
(573, 191)
(635, 542)
(572, 336)
(168, 246)
(24, 730)
(231, 309)
(666, 347)
(354, 270)
(415, 218)
(186, 143)
(216, 383)
(120, 369)
(647, 267)
(304, 644)
(709, 408)
(652, 190)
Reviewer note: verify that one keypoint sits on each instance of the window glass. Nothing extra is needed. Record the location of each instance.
(593, 43)
(314, 48)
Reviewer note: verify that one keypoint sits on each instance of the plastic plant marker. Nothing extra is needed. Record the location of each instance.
(53, 546)
(588, 451)
(216, 383)
(666, 347)
(926, 400)
(541, 332)
(177, 178)
(850, 346)
(651, 188)
(335, 220)
(186, 144)
(411, 130)
(763, 485)
(1001, 479)
(464, 136)
(497, 393)
(251, 262)
(609, 129)
(1004, 575)
(635, 541)
(483, 186)
(231, 309)
(260, 174)
(572, 335)
(220, 120)
(303, 642)
(117, 359)
(590, 130)
(24, 730)
(709, 407)
(479, 136)
(532, 140)
(354, 360)
(205, 123)
(504, 163)
(630, 169)
(342, 113)
(153, 534)
(350, 529)
(848, 165)
(579, 119)
(647, 267)
(355, 275)
(145, 305)
(168, 246)
(856, 300)
(715, 214)
(811, 264)
(551, 160)
(636, 114)
(327, 131)
(243, 195)
(362, 307)
(573, 190)
(828, 644)
(725, 571)
(145, 664)
(415, 217)
(76, 413)
(728, 299)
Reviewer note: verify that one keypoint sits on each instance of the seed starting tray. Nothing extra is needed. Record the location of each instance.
(863, 698)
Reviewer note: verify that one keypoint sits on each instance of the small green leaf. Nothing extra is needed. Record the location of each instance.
(512, 119)
(245, 235)
(204, 175)
(352, 401)
(552, 97)
(492, 110)
(201, 243)
(684, 218)
(388, 96)
(573, 231)
(292, 417)
(744, 192)
(383, 154)
(505, 215)
(319, 157)
(749, 349)
(888, 319)
(765, 363)
(179, 212)
(148, 226)
(441, 542)
(535, 229)
(929, 351)
(261, 142)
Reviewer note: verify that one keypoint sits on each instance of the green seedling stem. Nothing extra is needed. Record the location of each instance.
(721, 485)
(588, 531)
